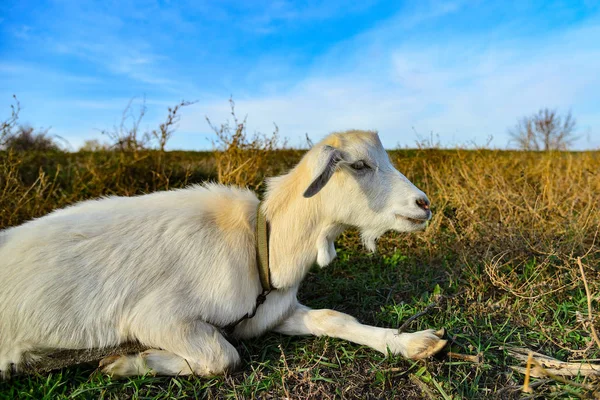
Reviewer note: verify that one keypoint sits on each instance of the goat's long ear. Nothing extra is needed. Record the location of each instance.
(327, 163)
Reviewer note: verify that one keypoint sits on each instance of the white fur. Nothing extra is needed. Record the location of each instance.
(167, 268)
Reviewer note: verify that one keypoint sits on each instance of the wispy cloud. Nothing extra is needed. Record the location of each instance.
(462, 89)
(95, 38)
(22, 32)
(16, 71)
(132, 59)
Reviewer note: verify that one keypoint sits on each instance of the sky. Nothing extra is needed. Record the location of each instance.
(459, 72)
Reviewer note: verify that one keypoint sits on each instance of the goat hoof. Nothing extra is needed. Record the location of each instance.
(117, 366)
(125, 365)
(426, 344)
(106, 361)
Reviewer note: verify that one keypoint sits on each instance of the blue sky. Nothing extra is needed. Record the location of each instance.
(462, 70)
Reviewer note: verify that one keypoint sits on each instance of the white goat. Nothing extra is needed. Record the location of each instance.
(168, 269)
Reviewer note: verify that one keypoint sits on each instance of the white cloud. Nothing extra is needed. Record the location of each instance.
(463, 89)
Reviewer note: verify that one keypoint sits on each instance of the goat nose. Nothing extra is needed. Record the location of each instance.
(423, 202)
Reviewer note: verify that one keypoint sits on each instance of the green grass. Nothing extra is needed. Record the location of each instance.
(384, 290)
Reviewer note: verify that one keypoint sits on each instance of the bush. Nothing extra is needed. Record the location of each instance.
(545, 130)
(26, 139)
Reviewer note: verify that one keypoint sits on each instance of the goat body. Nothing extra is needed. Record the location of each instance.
(168, 269)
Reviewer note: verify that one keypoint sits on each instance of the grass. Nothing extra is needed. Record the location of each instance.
(498, 260)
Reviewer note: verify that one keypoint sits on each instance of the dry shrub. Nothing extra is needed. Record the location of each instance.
(243, 160)
(26, 138)
(18, 199)
(128, 135)
(8, 125)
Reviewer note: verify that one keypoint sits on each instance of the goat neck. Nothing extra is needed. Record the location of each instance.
(301, 232)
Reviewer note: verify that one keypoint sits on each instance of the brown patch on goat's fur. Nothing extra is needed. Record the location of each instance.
(340, 139)
(231, 215)
(334, 141)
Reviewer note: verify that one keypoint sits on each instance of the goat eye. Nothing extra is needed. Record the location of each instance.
(359, 165)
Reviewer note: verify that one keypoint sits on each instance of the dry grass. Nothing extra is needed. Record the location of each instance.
(518, 222)
(490, 202)
(33, 184)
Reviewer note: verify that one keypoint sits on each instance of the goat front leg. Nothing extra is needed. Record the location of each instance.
(416, 345)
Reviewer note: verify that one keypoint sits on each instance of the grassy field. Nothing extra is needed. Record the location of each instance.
(497, 267)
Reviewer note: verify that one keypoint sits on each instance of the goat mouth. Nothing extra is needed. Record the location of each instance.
(415, 221)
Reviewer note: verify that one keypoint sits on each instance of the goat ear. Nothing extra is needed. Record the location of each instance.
(328, 161)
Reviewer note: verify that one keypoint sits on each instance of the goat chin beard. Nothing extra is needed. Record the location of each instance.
(369, 239)
(369, 236)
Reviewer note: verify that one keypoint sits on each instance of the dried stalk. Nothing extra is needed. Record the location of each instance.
(552, 365)
(589, 303)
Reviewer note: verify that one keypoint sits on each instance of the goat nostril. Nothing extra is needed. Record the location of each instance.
(423, 203)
